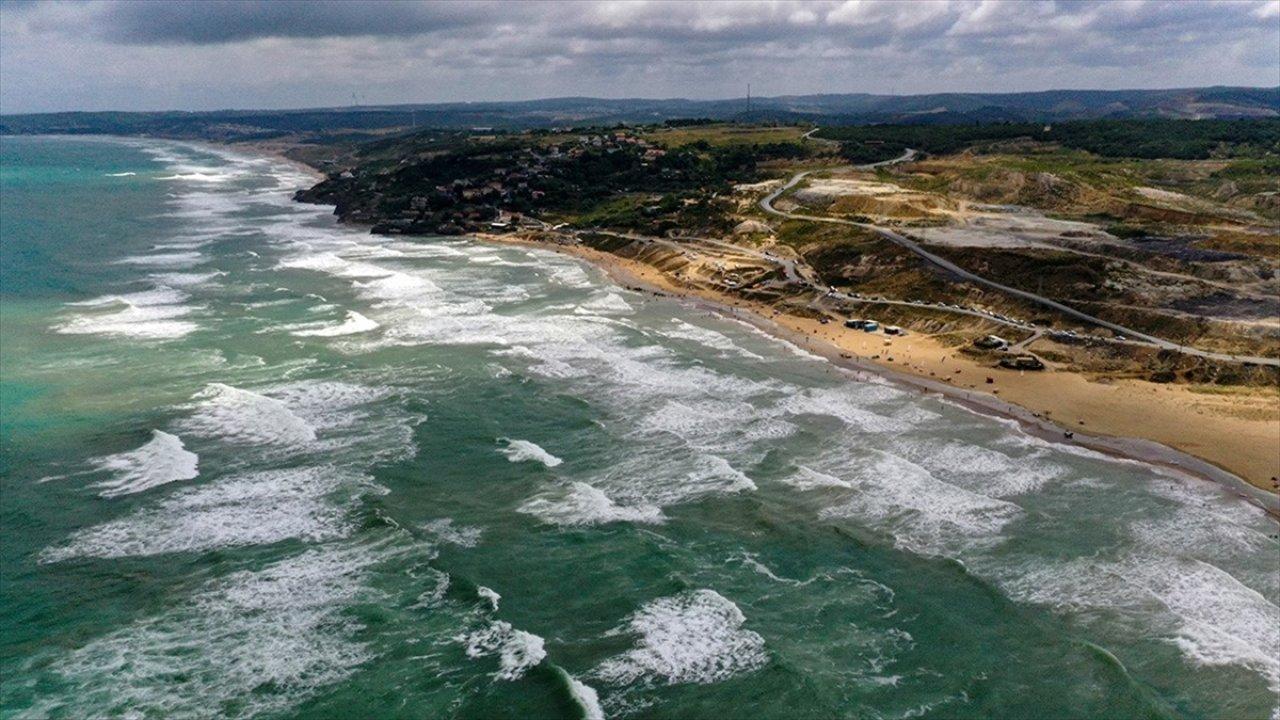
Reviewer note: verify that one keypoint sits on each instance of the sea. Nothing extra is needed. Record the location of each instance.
(257, 464)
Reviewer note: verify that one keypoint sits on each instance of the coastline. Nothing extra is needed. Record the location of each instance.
(826, 343)
(1232, 459)
(274, 151)
(884, 521)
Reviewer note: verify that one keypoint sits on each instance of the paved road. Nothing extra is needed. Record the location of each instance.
(821, 141)
(766, 204)
(906, 156)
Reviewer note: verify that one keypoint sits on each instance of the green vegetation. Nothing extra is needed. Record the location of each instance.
(1183, 139)
(615, 178)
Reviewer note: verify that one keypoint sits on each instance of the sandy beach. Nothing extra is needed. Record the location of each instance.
(1231, 438)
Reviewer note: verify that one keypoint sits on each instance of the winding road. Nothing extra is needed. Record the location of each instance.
(1140, 338)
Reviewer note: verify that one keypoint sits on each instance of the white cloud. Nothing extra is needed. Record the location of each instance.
(128, 55)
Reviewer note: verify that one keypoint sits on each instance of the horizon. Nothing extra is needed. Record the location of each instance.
(691, 99)
(124, 56)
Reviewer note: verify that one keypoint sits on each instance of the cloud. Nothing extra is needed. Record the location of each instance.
(201, 22)
(238, 53)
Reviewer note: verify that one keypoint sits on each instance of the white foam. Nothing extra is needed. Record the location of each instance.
(608, 303)
(148, 315)
(848, 403)
(1212, 617)
(924, 513)
(1207, 523)
(159, 295)
(121, 174)
(346, 416)
(1223, 621)
(397, 287)
(582, 504)
(427, 250)
(697, 477)
(517, 650)
(490, 596)
(353, 324)
(496, 261)
(571, 275)
(250, 509)
(186, 279)
(446, 531)
(250, 644)
(201, 177)
(716, 425)
(524, 451)
(246, 417)
(707, 337)
(161, 460)
(332, 264)
(751, 561)
(806, 478)
(178, 259)
(586, 697)
(983, 469)
(694, 637)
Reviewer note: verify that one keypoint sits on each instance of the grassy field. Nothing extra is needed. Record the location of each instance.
(1082, 184)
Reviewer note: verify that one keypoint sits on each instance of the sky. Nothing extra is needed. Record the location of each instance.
(200, 55)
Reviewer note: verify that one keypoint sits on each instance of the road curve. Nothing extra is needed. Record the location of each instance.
(766, 204)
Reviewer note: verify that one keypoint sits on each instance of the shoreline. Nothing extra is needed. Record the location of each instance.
(634, 275)
(274, 151)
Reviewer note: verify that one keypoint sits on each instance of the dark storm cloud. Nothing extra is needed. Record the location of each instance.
(284, 52)
(225, 21)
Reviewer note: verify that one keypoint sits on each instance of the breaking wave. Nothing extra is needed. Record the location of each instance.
(251, 509)
(582, 504)
(694, 637)
(162, 460)
(517, 650)
(525, 451)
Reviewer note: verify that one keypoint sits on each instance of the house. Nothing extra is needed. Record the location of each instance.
(1022, 362)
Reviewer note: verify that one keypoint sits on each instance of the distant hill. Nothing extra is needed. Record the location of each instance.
(847, 109)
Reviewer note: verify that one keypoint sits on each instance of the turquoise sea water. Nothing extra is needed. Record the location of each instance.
(258, 465)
